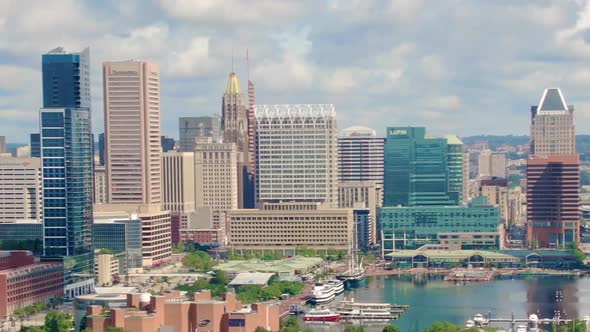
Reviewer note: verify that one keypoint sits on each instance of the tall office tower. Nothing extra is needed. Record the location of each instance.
(178, 181)
(416, 169)
(2, 144)
(66, 158)
(216, 175)
(466, 195)
(455, 167)
(101, 149)
(251, 122)
(100, 185)
(496, 191)
(234, 123)
(498, 165)
(20, 193)
(552, 125)
(296, 153)
(190, 128)
(35, 145)
(484, 163)
(360, 155)
(553, 179)
(553, 200)
(167, 143)
(132, 132)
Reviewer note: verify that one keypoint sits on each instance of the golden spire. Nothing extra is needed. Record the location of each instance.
(233, 85)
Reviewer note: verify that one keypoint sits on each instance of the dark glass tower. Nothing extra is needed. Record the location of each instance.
(416, 169)
(66, 144)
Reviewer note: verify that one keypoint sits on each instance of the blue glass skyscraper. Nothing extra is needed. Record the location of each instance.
(66, 152)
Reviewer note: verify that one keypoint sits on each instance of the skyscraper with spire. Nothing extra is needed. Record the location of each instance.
(234, 124)
(553, 175)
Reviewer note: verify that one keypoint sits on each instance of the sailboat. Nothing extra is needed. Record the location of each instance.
(355, 274)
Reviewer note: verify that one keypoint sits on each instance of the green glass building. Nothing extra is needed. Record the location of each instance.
(476, 226)
(421, 171)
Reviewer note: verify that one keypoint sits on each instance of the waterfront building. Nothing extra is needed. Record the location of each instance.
(360, 155)
(100, 185)
(189, 128)
(552, 125)
(362, 195)
(416, 169)
(296, 154)
(21, 196)
(171, 311)
(24, 281)
(132, 132)
(121, 233)
(553, 201)
(66, 144)
(178, 181)
(283, 227)
(474, 226)
(35, 142)
(552, 176)
(216, 178)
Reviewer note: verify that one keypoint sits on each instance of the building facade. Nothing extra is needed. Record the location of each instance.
(416, 169)
(132, 132)
(189, 128)
(496, 192)
(100, 185)
(66, 150)
(35, 142)
(24, 281)
(204, 227)
(360, 156)
(216, 175)
(121, 234)
(21, 195)
(455, 167)
(296, 154)
(553, 200)
(474, 226)
(353, 195)
(466, 178)
(178, 181)
(552, 125)
(285, 226)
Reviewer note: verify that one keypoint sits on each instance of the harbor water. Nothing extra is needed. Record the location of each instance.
(432, 299)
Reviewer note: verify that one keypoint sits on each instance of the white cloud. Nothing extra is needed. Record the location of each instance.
(446, 103)
(338, 81)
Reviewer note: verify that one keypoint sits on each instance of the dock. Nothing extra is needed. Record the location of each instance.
(470, 275)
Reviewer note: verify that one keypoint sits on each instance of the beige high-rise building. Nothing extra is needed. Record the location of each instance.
(286, 226)
(362, 194)
(484, 163)
(216, 175)
(105, 267)
(552, 125)
(178, 181)
(21, 196)
(100, 185)
(491, 164)
(497, 195)
(156, 240)
(132, 132)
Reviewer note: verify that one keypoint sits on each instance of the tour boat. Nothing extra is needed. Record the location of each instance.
(322, 293)
(337, 285)
(350, 310)
(321, 315)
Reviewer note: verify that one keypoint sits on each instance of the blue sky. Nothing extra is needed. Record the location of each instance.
(455, 66)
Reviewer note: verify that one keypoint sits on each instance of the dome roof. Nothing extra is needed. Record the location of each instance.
(358, 131)
(145, 298)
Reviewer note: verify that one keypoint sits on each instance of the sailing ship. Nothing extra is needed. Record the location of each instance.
(355, 274)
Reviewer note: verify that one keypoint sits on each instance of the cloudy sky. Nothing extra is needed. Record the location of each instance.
(464, 67)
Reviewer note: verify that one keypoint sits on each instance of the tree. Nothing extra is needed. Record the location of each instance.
(198, 260)
(32, 329)
(391, 328)
(220, 278)
(443, 327)
(574, 248)
(58, 322)
(261, 329)
(354, 328)
(290, 324)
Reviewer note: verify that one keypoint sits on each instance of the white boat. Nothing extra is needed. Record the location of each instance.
(478, 319)
(469, 323)
(322, 293)
(350, 310)
(337, 285)
(321, 315)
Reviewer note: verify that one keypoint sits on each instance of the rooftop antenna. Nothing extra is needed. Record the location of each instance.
(232, 58)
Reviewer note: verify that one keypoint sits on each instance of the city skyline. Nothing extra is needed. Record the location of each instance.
(318, 61)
